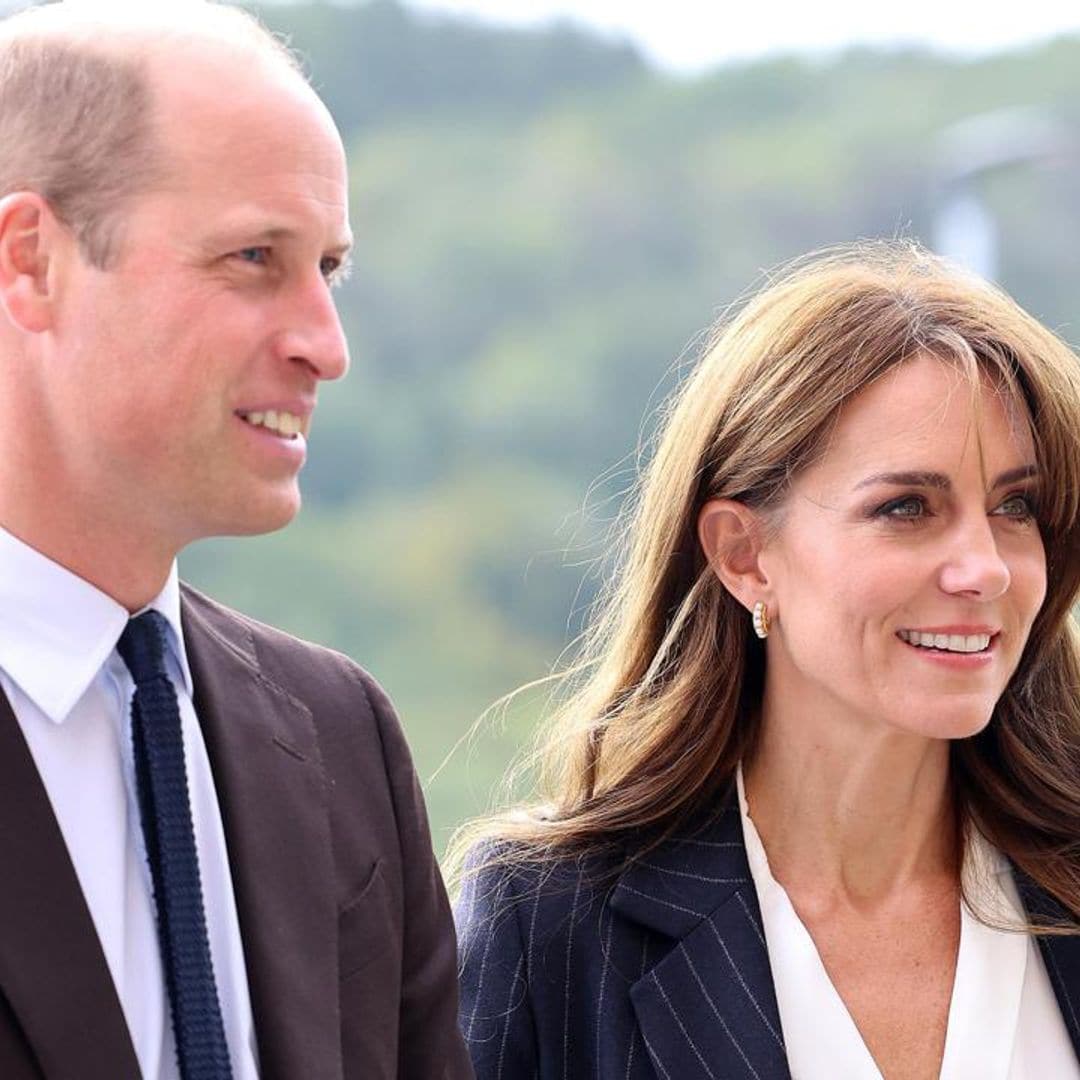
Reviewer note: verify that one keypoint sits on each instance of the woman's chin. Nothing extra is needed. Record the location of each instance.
(954, 722)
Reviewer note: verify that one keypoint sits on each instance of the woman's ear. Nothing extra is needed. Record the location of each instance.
(731, 536)
(27, 230)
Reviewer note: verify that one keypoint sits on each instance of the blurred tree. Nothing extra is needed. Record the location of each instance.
(544, 226)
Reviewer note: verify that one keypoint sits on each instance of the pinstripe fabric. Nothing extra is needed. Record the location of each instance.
(706, 1008)
(659, 972)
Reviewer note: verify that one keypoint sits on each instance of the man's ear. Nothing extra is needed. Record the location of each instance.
(29, 231)
(731, 535)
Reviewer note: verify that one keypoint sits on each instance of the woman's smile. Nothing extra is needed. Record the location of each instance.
(955, 648)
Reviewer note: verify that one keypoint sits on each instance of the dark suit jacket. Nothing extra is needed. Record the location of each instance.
(661, 972)
(344, 919)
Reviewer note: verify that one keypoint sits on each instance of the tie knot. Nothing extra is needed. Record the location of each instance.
(142, 645)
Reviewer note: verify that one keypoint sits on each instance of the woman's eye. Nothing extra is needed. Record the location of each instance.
(1017, 507)
(909, 508)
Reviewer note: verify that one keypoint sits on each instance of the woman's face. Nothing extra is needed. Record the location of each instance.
(909, 567)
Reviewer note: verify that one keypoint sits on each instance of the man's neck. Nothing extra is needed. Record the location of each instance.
(122, 565)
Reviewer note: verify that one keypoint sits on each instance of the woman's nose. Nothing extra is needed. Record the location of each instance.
(974, 566)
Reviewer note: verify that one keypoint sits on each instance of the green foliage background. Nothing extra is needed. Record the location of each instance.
(545, 224)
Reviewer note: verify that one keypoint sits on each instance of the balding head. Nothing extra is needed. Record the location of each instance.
(80, 100)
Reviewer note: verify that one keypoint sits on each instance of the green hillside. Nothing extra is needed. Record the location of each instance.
(544, 226)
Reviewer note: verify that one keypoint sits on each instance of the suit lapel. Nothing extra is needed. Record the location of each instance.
(708, 1008)
(52, 968)
(1061, 955)
(272, 790)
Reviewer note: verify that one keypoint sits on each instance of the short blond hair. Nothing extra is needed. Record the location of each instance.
(77, 102)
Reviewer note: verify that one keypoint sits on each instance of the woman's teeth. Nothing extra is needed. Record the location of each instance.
(960, 643)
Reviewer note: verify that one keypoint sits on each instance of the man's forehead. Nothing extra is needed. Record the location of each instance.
(213, 82)
(219, 102)
(264, 139)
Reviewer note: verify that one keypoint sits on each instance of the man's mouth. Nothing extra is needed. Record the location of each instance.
(286, 424)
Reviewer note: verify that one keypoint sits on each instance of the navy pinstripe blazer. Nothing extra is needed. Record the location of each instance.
(659, 972)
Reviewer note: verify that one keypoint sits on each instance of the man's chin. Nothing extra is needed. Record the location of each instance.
(265, 515)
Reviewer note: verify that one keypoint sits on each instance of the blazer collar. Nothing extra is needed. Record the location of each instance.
(52, 970)
(707, 1009)
(274, 803)
(676, 885)
(1061, 955)
(273, 793)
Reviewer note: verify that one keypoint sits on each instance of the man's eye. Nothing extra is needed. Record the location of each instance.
(257, 256)
(334, 269)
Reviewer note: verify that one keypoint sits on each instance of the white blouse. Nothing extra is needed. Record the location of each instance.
(1004, 1021)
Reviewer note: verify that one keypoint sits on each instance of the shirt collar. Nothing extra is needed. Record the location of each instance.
(57, 630)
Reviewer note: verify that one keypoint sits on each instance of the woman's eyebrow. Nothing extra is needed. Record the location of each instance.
(1024, 472)
(941, 481)
(908, 479)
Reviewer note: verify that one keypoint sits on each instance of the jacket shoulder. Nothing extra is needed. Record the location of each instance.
(509, 900)
(544, 965)
(303, 669)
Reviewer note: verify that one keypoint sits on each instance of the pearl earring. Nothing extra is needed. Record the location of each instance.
(761, 619)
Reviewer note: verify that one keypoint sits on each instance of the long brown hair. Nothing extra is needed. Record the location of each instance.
(662, 702)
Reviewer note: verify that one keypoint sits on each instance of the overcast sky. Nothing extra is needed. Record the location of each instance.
(692, 34)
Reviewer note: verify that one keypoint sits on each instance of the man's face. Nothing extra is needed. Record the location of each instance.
(217, 314)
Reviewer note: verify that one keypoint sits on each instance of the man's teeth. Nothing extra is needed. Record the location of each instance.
(283, 423)
(947, 642)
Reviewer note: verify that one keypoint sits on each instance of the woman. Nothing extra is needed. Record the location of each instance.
(822, 761)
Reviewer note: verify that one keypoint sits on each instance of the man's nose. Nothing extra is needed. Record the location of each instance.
(974, 566)
(314, 335)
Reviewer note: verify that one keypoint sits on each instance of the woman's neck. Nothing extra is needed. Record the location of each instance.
(848, 813)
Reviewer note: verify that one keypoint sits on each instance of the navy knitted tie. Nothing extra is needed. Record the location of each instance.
(170, 847)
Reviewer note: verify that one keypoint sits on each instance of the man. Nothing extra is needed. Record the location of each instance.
(216, 859)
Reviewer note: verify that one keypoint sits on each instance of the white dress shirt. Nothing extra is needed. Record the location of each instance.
(1004, 1021)
(71, 694)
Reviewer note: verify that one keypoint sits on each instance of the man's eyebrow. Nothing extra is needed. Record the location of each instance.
(246, 233)
(342, 251)
(917, 478)
(271, 234)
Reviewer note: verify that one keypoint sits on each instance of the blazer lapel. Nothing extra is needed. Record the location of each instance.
(1061, 955)
(708, 1008)
(52, 968)
(268, 772)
